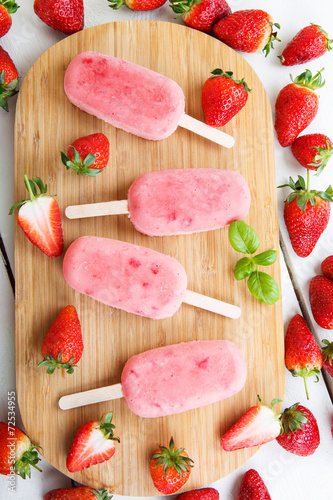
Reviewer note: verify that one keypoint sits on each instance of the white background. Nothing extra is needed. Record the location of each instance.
(287, 476)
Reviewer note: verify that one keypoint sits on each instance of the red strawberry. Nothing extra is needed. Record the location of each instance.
(321, 301)
(137, 4)
(247, 31)
(7, 7)
(66, 16)
(80, 493)
(8, 78)
(306, 214)
(259, 425)
(309, 43)
(300, 431)
(223, 97)
(200, 14)
(201, 494)
(63, 345)
(327, 353)
(88, 155)
(303, 357)
(296, 106)
(40, 218)
(327, 267)
(94, 443)
(170, 468)
(253, 487)
(17, 453)
(312, 151)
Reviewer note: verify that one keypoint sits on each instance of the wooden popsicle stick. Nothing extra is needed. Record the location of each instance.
(97, 209)
(211, 133)
(90, 397)
(210, 304)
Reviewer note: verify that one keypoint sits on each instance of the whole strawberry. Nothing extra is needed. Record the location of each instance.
(327, 352)
(223, 97)
(16, 451)
(300, 431)
(296, 106)
(247, 31)
(138, 5)
(7, 7)
(40, 218)
(63, 345)
(327, 267)
(303, 357)
(201, 15)
(321, 301)
(259, 425)
(308, 44)
(306, 214)
(87, 155)
(312, 151)
(93, 444)
(253, 487)
(80, 493)
(200, 494)
(8, 78)
(170, 468)
(66, 16)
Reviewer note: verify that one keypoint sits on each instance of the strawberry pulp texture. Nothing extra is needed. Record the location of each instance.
(309, 43)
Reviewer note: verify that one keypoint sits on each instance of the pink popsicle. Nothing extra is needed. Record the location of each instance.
(131, 97)
(173, 379)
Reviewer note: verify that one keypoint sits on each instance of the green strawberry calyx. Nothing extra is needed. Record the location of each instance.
(321, 157)
(107, 427)
(116, 4)
(7, 90)
(32, 185)
(53, 363)
(182, 6)
(306, 372)
(29, 459)
(292, 420)
(229, 74)
(327, 351)
(302, 194)
(79, 166)
(328, 40)
(273, 38)
(171, 457)
(101, 494)
(309, 81)
(10, 5)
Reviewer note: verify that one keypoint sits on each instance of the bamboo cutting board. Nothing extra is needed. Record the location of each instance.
(46, 123)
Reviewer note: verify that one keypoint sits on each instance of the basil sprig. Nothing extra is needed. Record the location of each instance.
(245, 240)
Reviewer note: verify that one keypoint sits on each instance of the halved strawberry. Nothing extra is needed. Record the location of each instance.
(94, 443)
(40, 218)
(259, 425)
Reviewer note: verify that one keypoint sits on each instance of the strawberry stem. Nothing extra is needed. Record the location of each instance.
(28, 186)
(306, 388)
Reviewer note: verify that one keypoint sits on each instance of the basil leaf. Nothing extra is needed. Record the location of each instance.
(265, 258)
(263, 287)
(244, 268)
(242, 237)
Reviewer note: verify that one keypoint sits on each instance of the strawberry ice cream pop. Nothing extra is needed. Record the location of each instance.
(133, 278)
(170, 202)
(173, 379)
(132, 98)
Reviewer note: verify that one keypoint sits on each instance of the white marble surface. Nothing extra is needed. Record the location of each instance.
(286, 475)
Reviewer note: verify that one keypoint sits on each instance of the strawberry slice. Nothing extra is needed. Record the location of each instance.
(94, 443)
(259, 425)
(40, 218)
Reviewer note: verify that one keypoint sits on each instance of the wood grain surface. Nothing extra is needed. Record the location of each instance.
(46, 123)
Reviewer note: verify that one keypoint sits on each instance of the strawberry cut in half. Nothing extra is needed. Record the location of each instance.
(93, 444)
(40, 218)
(259, 425)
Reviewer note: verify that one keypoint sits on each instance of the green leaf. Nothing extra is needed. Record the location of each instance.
(244, 268)
(263, 287)
(242, 237)
(265, 258)
(89, 160)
